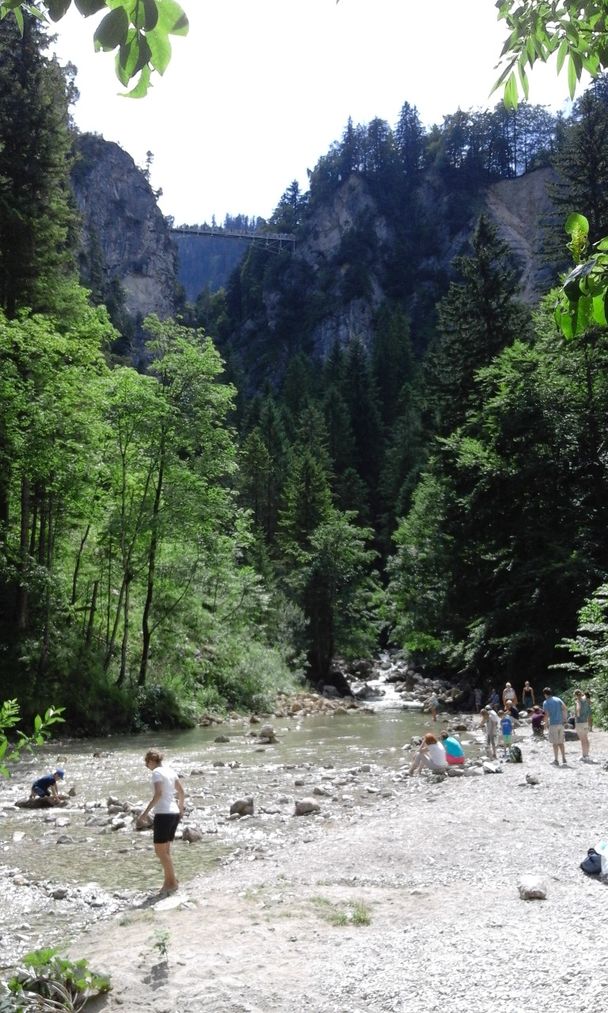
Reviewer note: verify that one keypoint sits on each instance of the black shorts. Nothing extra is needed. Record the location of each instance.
(165, 825)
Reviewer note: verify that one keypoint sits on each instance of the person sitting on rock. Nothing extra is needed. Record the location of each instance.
(454, 753)
(512, 710)
(430, 754)
(46, 787)
(493, 699)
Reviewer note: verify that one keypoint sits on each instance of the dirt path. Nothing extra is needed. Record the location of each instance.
(432, 868)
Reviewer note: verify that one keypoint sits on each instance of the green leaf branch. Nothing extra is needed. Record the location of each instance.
(10, 750)
(583, 300)
(574, 33)
(138, 30)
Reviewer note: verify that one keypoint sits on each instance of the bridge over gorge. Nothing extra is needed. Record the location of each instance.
(273, 241)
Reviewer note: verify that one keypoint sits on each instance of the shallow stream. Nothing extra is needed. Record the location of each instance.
(96, 871)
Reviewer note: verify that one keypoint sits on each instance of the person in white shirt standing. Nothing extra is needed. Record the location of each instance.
(168, 804)
(490, 722)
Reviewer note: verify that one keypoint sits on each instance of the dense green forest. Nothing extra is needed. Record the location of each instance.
(246, 510)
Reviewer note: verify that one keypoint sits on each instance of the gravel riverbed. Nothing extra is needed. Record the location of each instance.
(431, 871)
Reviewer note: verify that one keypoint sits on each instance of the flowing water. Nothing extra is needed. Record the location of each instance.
(104, 870)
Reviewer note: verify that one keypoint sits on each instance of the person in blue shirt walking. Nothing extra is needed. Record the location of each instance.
(556, 715)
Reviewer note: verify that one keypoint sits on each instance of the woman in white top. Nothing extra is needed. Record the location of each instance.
(430, 754)
(168, 811)
(509, 694)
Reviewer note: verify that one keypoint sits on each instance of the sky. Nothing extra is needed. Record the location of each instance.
(259, 89)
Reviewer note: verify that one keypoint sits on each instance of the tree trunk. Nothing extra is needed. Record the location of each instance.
(77, 565)
(112, 640)
(22, 594)
(125, 636)
(152, 553)
(92, 611)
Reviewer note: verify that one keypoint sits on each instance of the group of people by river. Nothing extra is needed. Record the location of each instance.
(499, 722)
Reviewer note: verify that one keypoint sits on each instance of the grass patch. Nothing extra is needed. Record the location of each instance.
(356, 913)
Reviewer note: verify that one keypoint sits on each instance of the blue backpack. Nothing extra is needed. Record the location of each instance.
(592, 864)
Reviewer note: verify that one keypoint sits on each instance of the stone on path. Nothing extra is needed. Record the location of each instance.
(532, 888)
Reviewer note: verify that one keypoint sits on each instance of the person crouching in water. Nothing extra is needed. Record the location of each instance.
(168, 811)
(454, 753)
(430, 754)
(46, 787)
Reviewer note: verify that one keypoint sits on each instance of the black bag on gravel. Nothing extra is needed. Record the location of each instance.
(515, 755)
(592, 864)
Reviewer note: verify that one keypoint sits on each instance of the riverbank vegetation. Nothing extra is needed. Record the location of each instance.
(194, 535)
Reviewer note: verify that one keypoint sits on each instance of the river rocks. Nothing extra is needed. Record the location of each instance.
(306, 806)
(267, 734)
(39, 803)
(221, 738)
(532, 888)
(491, 767)
(456, 771)
(242, 807)
(59, 893)
(206, 720)
(191, 835)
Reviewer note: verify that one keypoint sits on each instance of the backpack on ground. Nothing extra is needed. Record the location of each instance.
(592, 864)
(515, 754)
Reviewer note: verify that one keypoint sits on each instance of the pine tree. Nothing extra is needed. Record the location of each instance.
(479, 316)
(306, 500)
(359, 393)
(393, 361)
(37, 223)
(582, 160)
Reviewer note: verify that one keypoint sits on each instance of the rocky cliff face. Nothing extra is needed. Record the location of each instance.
(349, 236)
(521, 209)
(323, 251)
(125, 238)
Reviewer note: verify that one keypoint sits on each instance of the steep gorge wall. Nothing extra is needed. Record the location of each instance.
(125, 237)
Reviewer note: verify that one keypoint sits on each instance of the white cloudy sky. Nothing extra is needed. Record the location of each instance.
(260, 88)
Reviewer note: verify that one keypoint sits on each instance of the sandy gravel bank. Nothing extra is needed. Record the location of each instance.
(434, 869)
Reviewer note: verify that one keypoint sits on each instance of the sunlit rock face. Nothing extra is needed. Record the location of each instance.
(125, 238)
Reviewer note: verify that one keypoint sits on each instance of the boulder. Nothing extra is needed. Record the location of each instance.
(39, 803)
(267, 734)
(191, 835)
(242, 807)
(306, 806)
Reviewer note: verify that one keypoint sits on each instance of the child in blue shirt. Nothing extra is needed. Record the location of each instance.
(506, 727)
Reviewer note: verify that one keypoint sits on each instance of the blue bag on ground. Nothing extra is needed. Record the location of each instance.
(592, 864)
